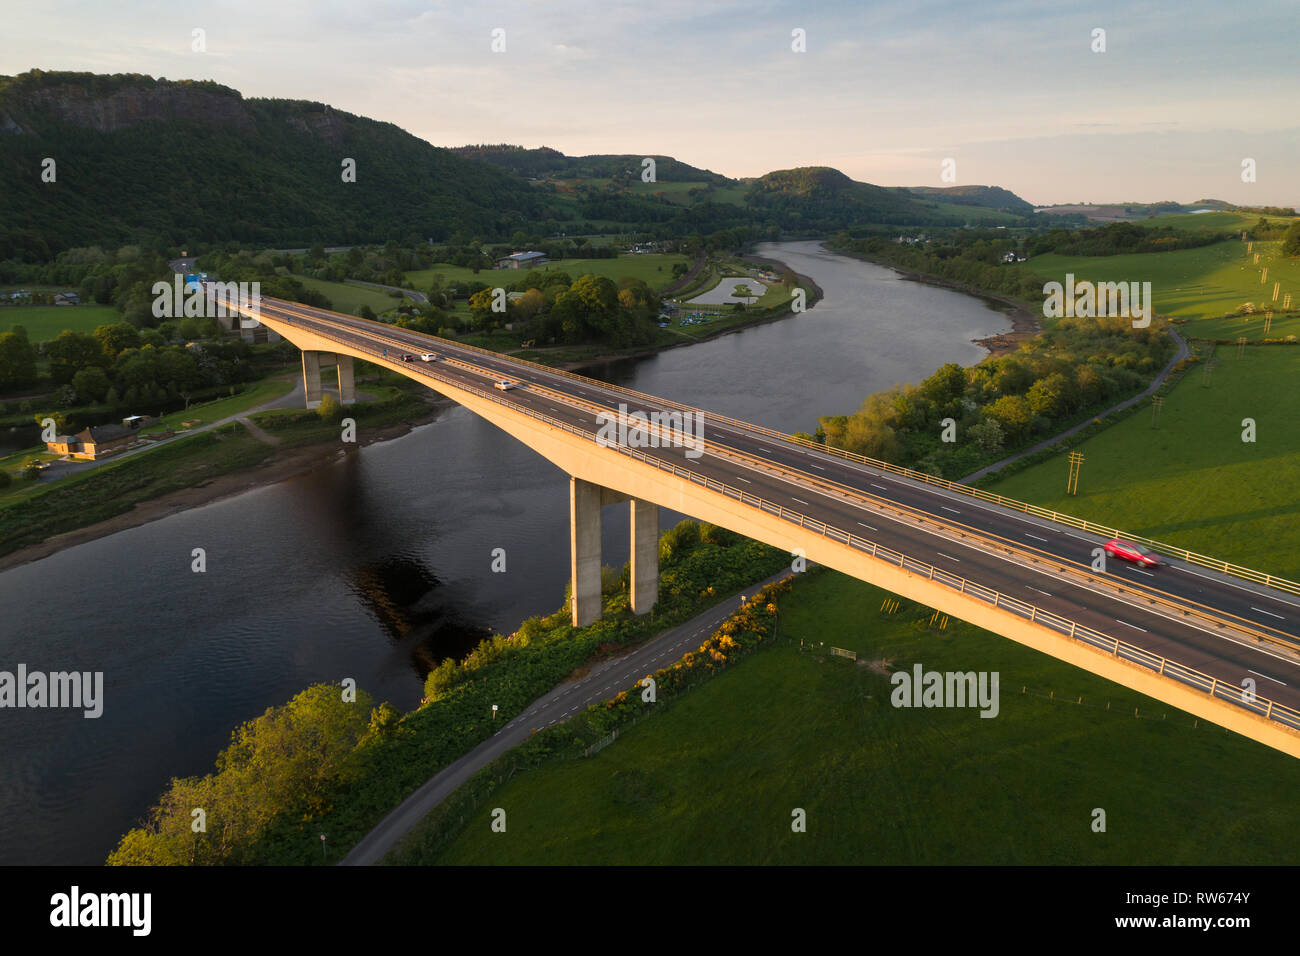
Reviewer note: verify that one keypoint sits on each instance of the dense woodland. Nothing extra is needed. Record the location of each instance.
(1075, 368)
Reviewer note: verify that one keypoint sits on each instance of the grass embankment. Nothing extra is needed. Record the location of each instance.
(715, 777)
(1205, 286)
(1192, 481)
(392, 405)
(45, 322)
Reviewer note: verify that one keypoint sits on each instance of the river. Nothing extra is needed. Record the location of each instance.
(378, 566)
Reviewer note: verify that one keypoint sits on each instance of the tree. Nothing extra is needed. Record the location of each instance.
(329, 408)
(987, 435)
(1291, 240)
(91, 384)
(1013, 413)
(1012, 377)
(17, 361)
(70, 352)
(480, 306)
(113, 339)
(178, 371)
(1051, 396)
(279, 763)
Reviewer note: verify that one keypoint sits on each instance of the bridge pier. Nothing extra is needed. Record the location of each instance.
(311, 377)
(645, 555)
(585, 501)
(584, 550)
(347, 384)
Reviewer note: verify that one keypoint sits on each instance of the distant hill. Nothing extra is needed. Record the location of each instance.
(818, 198)
(992, 197)
(144, 159)
(544, 162)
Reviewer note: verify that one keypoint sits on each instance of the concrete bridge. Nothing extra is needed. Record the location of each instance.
(1197, 633)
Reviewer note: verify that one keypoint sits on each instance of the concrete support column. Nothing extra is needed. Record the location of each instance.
(645, 555)
(347, 385)
(584, 550)
(311, 377)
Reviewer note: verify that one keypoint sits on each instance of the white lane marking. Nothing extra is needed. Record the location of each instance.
(1039, 590)
(1140, 571)
(953, 510)
(768, 450)
(948, 556)
(874, 485)
(1240, 587)
(800, 500)
(868, 526)
(1034, 536)
(818, 467)
(1266, 677)
(1134, 626)
(745, 480)
(1269, 613)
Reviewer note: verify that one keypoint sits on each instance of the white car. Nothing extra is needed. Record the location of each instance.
(429, 357)
(505, 385)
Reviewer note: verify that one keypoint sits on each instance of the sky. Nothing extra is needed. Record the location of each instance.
(1013, 92)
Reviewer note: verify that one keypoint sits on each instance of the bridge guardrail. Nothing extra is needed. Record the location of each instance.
(1058, 517)
(1122, 650)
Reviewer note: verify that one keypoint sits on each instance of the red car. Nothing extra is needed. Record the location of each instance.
(1131, 552)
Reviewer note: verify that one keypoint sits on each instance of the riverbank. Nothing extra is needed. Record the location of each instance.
(279, 465)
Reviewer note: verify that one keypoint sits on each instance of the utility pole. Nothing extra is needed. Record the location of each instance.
(1072, 483)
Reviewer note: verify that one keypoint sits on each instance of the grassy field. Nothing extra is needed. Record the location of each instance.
(350, 298)
(714, 777)
(655, 269)
(1226, 221)
(1202, 285)
(673, 191)
(1193, 482)
(44, 322)
(731, 194)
